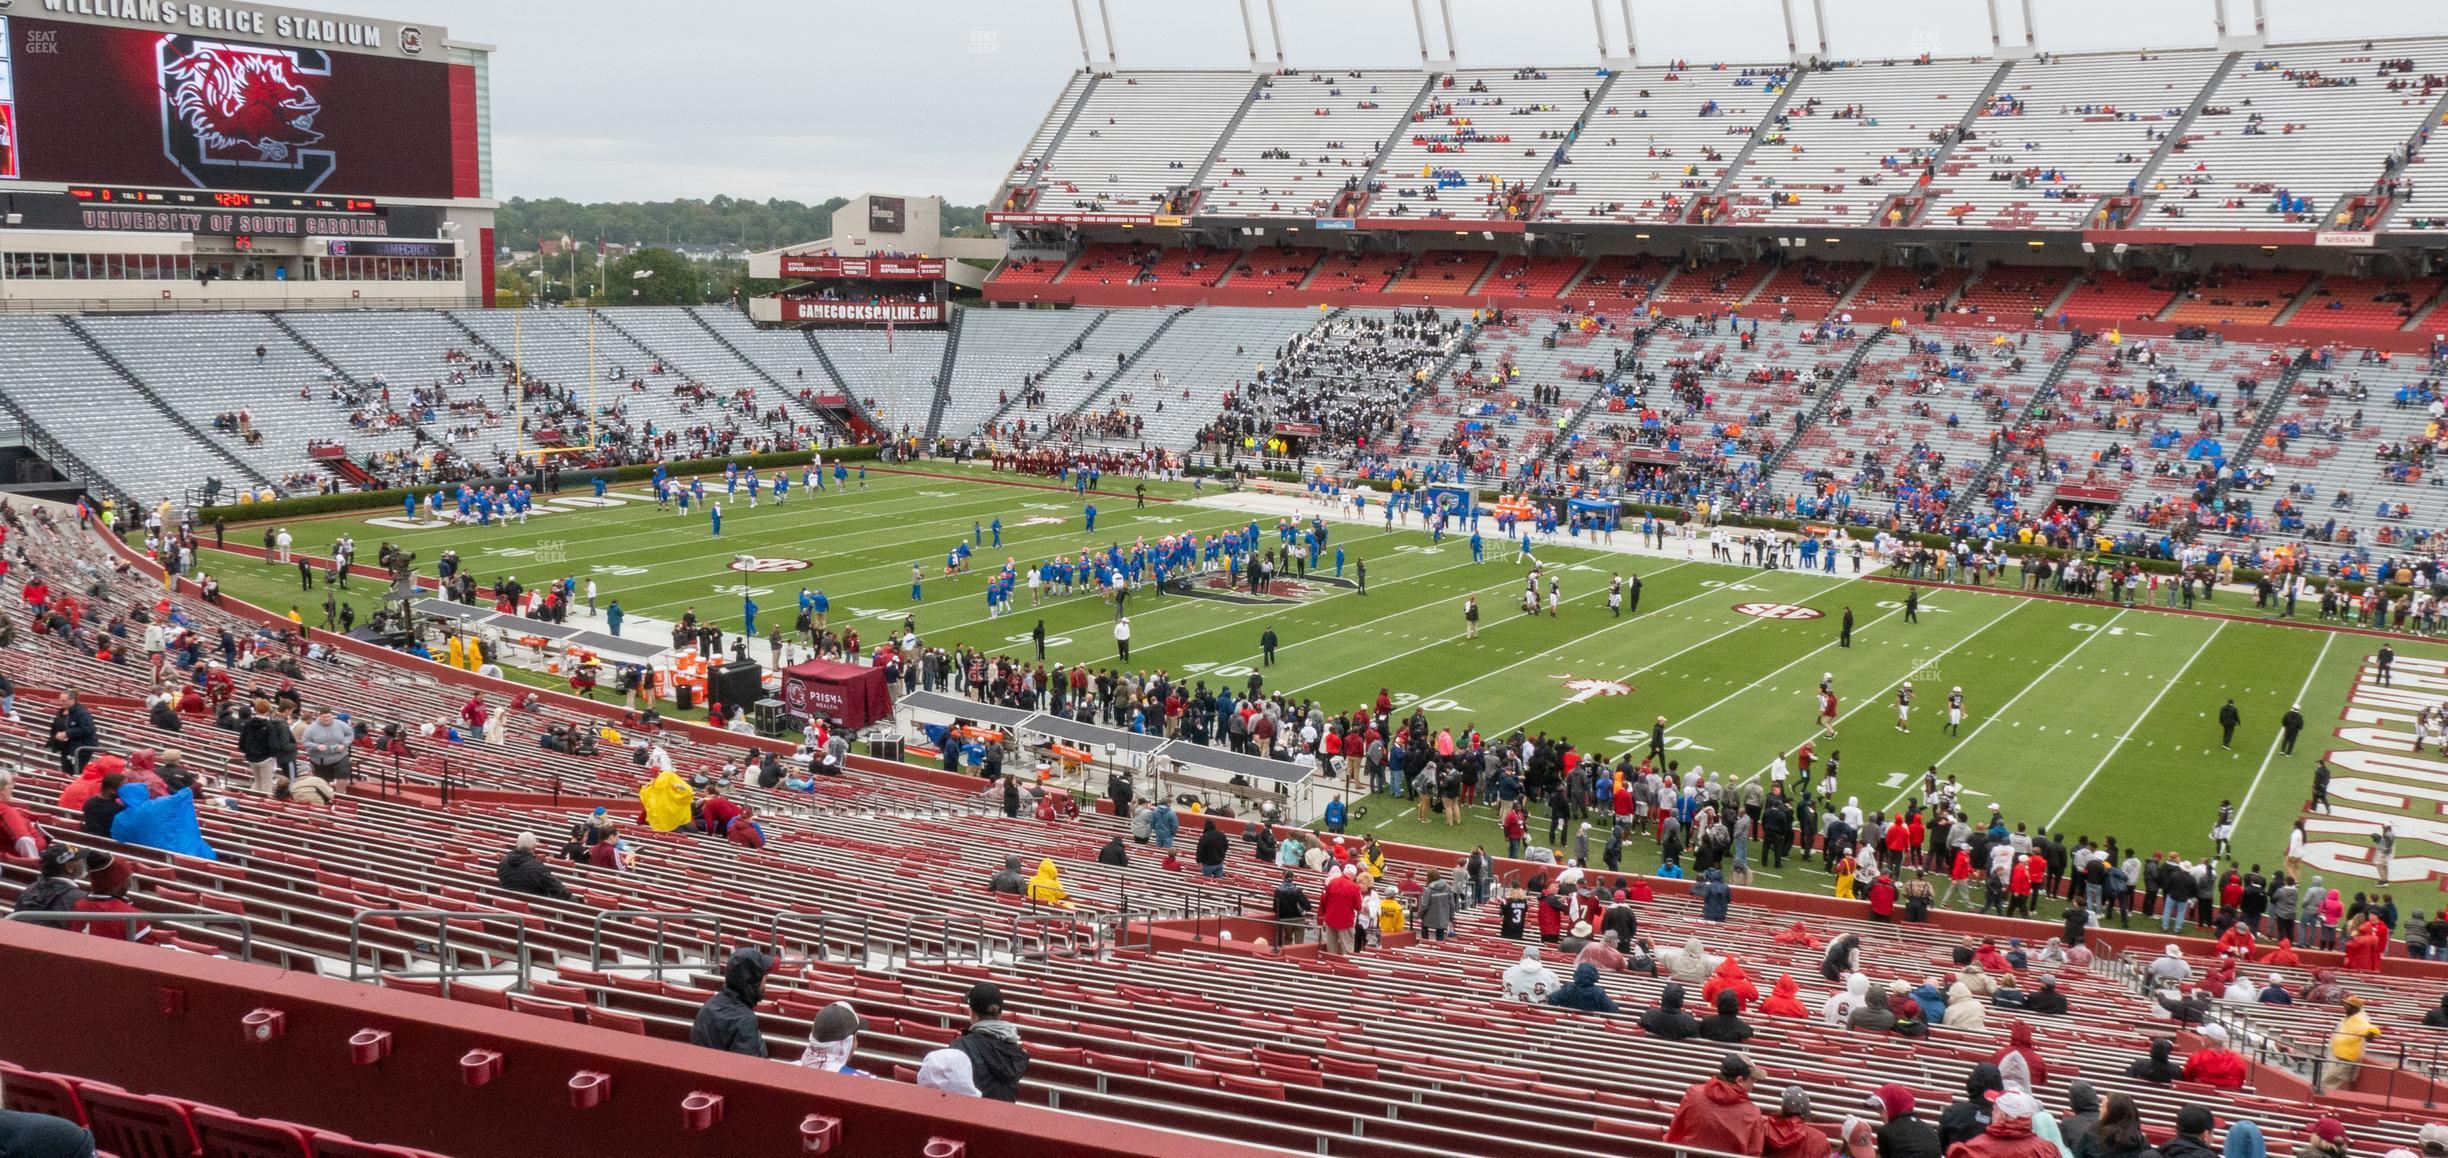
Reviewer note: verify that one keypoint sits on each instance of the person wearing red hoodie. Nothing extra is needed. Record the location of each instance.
(1730, 978)
(1883, 898)
(1789, 1134)
(2214, 1064)
(2009, 1134)
(1785, 1000)
(2283, 953)
(1959, 878)
(1339, 908)
(2019, 1041)
(1717, 1114)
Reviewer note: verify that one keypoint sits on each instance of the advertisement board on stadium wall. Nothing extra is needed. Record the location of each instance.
(876, 268)
(2344, 239)
(1071, 218)
(63, 211)
(180, 106)
(810, 310)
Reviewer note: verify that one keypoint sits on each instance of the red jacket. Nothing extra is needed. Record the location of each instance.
(2006, 1138)
(1515, 827)
(1339, 905)
(1794, 1138)
(1718, 1115)
(718, 814)
(2212, 1066)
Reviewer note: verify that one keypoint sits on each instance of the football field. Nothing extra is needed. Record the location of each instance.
(2081, 718)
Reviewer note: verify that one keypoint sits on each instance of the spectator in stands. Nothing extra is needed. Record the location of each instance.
(1667, 1019)
(326, 744)
(1789, 1133)
(2275, 993)
(832, 1039)
(1717, 1114)
(1838, 1009)
(1291, 911)
(1692, 965)
(606, 850)
(997, 1061)
(1527, 979)
(72, 734)
(1784, 1000)
(728, 1021)
(1587, 995)
(521, 871)
(1971, 1117)
(1011, 882)
(2117, 1133)
(305, 788)
(2192, 1139)
(2019, 1044)
(2435, 1018)
(1114, 854)
(2157, 1069)
(24, 1135)
(2346, 1046)
(1965, 1010)
(1438, 906)
(2082, 1116)
(1729, 977)
(2009, 1132)
(1339, 908)
(1843, 956)
(1714, 896)
(58, 886)
(2169, 967)
(2045, 1000)
(1726, 1024)
(2244, 1140)
(20, 837)
(1213, 847)
(948, 1070)
(1877, 1010)
(99, 809)
(1901, 1133)
(266, 744)
(107, 880)
(1046, 888)
(165, 822)
(2326, 1139)
(2214, 1064)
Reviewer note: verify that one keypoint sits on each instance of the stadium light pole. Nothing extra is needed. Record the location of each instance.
(1631, 40)
(1275, 33)
(1819, 18)
(1105, 17)
(2031, 28)
(1453, 48)
(1249, 34)
(1997, 44)
(1793, 46)
(1079, 19)
(1598, 20)
(1419, 22)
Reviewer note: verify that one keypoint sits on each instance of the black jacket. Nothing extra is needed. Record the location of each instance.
(1213, 846)
(265, 738)
(100, 809)
(728, 1021)
(76, 724)
(1969, 1119)
(1908, 1137)
(1291, 904)
(521, 872)
(2183, 1147)
(997, 1061)
(1668, 1020)
(49, 895)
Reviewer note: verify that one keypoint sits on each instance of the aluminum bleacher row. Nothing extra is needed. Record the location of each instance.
(875, 891)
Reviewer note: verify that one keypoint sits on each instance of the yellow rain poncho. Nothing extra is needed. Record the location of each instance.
(666, 798)
(1046, 888)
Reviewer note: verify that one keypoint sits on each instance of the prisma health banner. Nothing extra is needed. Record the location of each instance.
(126, 106)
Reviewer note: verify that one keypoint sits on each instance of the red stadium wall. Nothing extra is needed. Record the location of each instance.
(169, 1023)
(467, 170)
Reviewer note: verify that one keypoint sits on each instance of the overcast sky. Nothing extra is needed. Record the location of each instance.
(805, 99)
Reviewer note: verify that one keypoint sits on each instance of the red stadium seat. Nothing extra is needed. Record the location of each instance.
(223, 1134)
(34, 1092)
(138, 1125)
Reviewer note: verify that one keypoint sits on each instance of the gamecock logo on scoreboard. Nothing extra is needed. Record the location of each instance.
(243, 115)
(1778, 611)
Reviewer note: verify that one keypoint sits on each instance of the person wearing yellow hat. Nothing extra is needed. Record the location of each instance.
(2346, 1046)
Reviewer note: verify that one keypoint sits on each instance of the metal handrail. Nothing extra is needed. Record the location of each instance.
(951, 927)
(129, 921)
(662, 919)
(522, 968)
(824, 923)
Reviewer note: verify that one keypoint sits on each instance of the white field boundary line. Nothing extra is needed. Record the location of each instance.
(2255, 787)
(1747, 621)
(2011, 701)
(2130, 729)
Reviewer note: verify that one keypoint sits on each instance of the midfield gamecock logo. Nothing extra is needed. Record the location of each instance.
(243, 115)
(757, 565)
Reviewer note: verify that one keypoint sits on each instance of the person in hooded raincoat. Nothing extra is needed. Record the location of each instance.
(2019, 1041)
(1583, 992)
(168, 823)
(2009, 1133)
(1668, 1019)
(666, 800)
(728, 1021)
(1730, 978)
(1717, 1114)
(1789, 1133)
(1785, 1000)
(1046, 888)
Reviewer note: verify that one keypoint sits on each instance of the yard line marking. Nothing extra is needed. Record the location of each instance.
(1881, 697)
(2000, 714)
(1380, 661)
(2309, 676)
(1690, 716)
(2138, 722)
(1747, 621)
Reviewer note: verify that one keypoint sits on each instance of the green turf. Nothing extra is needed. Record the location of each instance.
(2081, 717)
